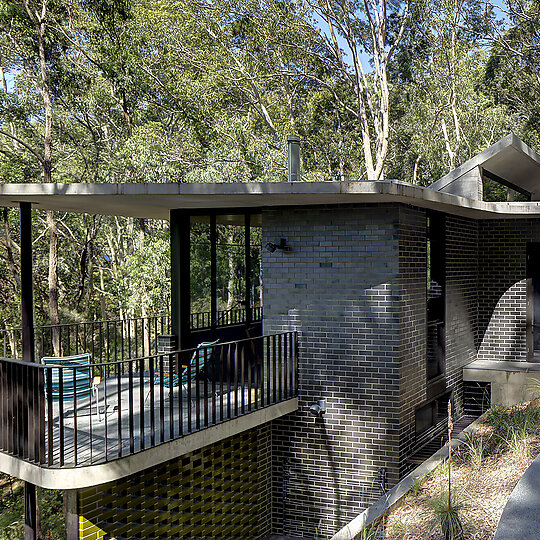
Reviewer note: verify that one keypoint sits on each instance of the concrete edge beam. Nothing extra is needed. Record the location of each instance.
(156, 200)
(390, 499)
(92, 475)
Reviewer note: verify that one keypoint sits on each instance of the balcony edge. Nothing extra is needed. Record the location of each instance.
(92, 475)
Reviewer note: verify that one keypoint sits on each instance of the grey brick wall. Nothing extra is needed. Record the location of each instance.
(354, 287)
(412, 331)
(502, 315)
(462, 296)
(339, 288)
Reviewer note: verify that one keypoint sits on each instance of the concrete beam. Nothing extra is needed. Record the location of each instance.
(511, 382)
(155, 201)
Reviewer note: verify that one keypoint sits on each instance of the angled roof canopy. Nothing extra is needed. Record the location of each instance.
(509, 161)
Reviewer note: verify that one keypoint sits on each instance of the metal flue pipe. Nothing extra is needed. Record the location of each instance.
(293, 142)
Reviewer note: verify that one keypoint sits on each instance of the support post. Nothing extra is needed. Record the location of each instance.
(72, 514)
(27, 294)
(27, 312)
(30, 511)
(180, 277)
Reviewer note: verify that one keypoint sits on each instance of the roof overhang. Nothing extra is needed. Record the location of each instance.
(157, 200)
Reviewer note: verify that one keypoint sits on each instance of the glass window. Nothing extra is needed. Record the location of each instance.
(436, 293)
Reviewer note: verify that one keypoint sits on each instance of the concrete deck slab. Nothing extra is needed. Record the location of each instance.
(140, 432)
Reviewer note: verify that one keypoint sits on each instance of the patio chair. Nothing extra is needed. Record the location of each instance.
(189, 373)
(84, 384)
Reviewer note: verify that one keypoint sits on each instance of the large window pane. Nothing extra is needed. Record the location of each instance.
(231, 270)
(200, 280)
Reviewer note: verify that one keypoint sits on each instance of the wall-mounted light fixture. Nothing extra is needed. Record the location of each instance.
(318, 409)
(271, 247)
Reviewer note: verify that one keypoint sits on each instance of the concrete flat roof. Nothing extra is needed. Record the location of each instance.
(156, 200)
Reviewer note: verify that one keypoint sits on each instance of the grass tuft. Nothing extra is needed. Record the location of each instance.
(416, 486)
(447, 514)
(475, 449)
(371, 532)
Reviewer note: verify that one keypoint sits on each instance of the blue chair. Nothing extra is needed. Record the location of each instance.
(189, 373)
(83, 385)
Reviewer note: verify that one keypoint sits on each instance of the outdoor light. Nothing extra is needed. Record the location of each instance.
(271, 247)
(318, 409)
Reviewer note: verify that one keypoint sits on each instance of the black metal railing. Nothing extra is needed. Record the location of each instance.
(226, 317)
(105, 411)
(106, 341)
(112, 339)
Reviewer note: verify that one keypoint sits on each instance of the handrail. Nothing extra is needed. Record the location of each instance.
(142, 401)
(110, 338)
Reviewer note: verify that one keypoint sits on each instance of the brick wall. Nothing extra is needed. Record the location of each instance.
(354, 286)
(502, 315)
(339, 288)
(412, 331)
(221, 491)
(462, 296)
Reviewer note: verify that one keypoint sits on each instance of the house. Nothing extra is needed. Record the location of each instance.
(382, 301)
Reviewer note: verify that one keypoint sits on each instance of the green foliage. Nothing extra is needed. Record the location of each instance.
(514, 428)
(371, 532)
(146, 278)
(511, 74)
(51, 508)
(447, 513)
(416, 486)
(475, 448)
(442, 114)
(51, 505)
(518, 442)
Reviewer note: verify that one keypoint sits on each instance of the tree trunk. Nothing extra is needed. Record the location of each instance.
(39, 21)
(53, 282)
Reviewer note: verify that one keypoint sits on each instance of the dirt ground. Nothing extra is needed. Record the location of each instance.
(483, 490)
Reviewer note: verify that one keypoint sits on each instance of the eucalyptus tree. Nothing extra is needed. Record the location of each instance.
(512, 74)
(443, 114)
(34, 50)
(357, 42)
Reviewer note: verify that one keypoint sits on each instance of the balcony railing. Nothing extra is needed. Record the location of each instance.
(113, 339)
(142, 402)
(225, 317)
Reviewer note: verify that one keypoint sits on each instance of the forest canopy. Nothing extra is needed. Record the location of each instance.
(207, 91)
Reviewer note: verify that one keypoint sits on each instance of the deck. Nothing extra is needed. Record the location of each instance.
(44, 428)
(81, 437)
